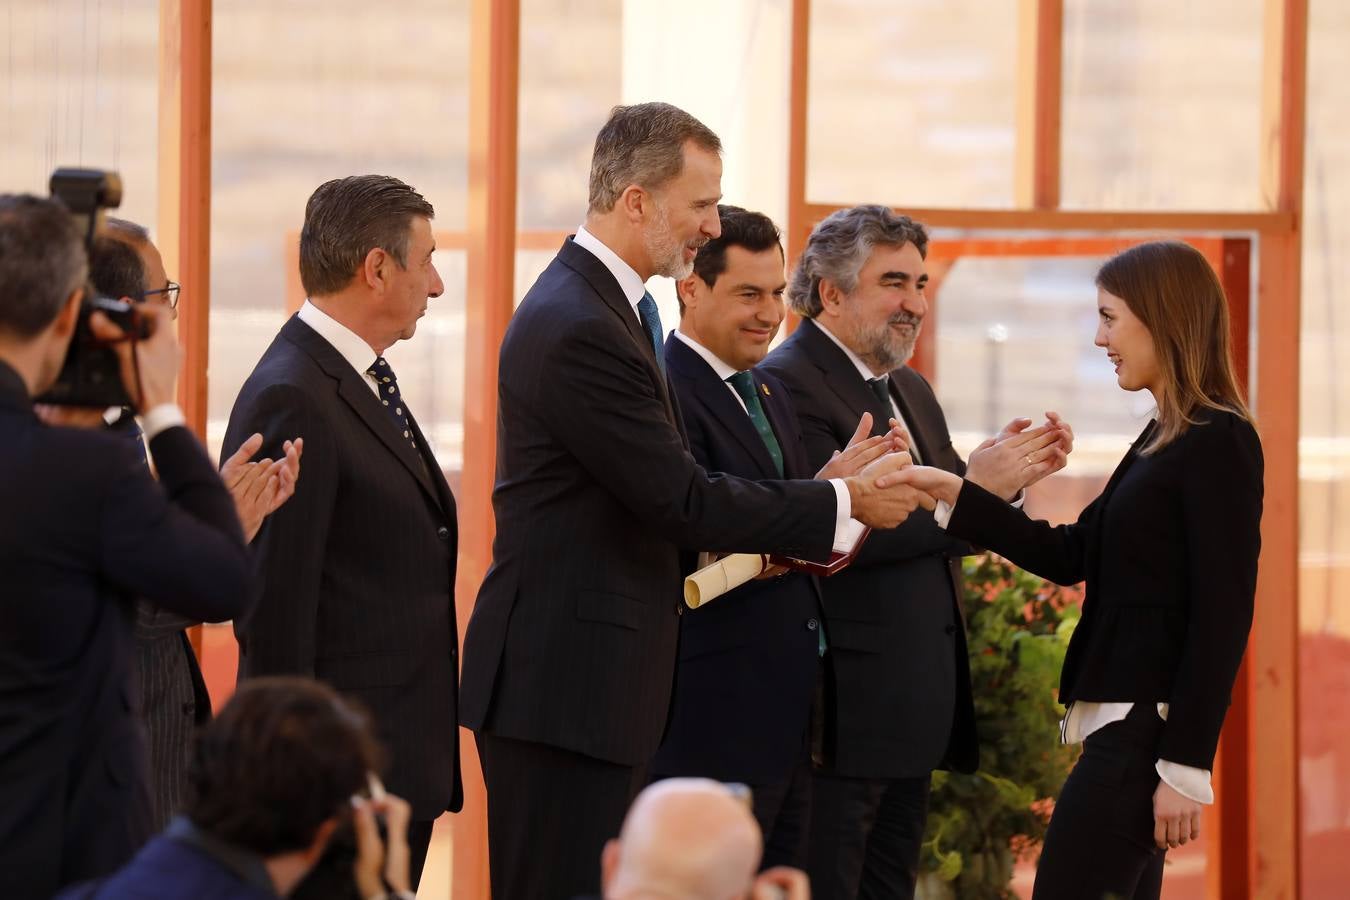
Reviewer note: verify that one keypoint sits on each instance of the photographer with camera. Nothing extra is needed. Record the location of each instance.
(84, 529)
(285, 767)
(124, 262)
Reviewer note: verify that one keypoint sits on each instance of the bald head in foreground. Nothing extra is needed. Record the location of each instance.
(692, 839)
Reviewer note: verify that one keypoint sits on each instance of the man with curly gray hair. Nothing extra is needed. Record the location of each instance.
(896, 690)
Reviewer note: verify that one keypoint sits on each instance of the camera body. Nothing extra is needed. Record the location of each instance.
(91, 374)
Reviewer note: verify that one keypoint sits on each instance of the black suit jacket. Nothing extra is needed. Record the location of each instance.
(83, 530)
(898, 694)
(747, 661)
(1169, 554)
(356, 573)
(572, 641)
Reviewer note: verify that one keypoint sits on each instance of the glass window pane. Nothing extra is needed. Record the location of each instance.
(1324, 462)
(564, 99)
(1162, 104)
(81, 88)
(912, 103)
(355, 91)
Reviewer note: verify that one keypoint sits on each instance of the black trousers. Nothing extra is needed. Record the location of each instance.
(865, 836)
(1100, 840)
(550, 813)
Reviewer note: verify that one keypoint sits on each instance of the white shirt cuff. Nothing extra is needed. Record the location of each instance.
(843, 509)
(1021, 498)
(942, 513)
(1188, 781)
(166, 415)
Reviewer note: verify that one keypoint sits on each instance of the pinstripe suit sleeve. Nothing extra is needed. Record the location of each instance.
(621, 435)
(277, 635)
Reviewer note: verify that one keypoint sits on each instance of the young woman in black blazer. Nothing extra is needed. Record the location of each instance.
(1169, 554)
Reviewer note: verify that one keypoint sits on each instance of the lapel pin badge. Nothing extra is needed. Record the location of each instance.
(765, 389)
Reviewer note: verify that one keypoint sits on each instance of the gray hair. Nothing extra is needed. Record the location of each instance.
(643, 145)
(346, 218)
(840, 246)
(42, 261)
(124, 230)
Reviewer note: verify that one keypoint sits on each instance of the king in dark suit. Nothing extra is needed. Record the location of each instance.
(357, 572)
(570, 655)
(897, 698)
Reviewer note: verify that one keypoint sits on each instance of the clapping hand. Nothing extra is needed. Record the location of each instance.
(260, 488)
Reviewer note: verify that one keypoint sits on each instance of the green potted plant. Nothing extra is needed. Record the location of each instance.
(980, 825)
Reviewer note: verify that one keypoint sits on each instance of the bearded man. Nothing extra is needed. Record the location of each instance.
(896, 692)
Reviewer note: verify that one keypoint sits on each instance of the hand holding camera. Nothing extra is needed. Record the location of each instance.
(149, 366)
(381, 869)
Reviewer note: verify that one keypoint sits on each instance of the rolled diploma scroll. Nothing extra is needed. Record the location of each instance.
(727, 574)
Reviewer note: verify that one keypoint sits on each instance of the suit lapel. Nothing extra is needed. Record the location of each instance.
(918, 429)
(714, 394)
(585, 264)
(785, 428)
(842, 376)
(356, 392)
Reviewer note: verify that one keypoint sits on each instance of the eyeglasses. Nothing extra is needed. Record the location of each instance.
(170, 298)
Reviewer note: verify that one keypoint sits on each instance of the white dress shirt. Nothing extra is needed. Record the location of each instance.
(349, 345)
(633, 288)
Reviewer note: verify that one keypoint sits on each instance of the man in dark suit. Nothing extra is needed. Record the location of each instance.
(748, 661)
(357, 571)
(83, 531)
(897, 698)
(570, 653)
(247, 834)
(124, 262)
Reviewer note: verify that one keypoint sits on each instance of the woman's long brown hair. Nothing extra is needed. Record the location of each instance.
(1171, 288)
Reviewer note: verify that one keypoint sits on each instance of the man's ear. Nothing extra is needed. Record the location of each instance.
(635, 202)
(322, 835)
(831, 298)
(64, 324)
(609, 863)
(687, 289)
(375, 268)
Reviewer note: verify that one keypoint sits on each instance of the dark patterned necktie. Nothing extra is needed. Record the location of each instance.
(882, 388)
(651, 323)
(390, 397)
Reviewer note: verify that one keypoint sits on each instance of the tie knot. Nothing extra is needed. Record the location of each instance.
(381, 371)
(882, 388)
(742, 381)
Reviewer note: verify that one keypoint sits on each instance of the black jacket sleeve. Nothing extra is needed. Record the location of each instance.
(176, 543)
(1222, 500)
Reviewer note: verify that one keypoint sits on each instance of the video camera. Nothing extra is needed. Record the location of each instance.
(91, 374)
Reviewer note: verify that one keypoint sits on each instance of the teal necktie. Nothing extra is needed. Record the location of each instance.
(745, 386)
(651, 323)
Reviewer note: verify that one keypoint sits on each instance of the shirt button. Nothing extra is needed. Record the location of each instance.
(443, 533)
(812, 624)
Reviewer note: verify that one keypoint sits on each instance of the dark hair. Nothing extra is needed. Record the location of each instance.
(346, 218)
(283, 756)
(740, 228)
(42, 260)
(643, 144)
(115, 268)
(1171, 288)
(839, 247)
